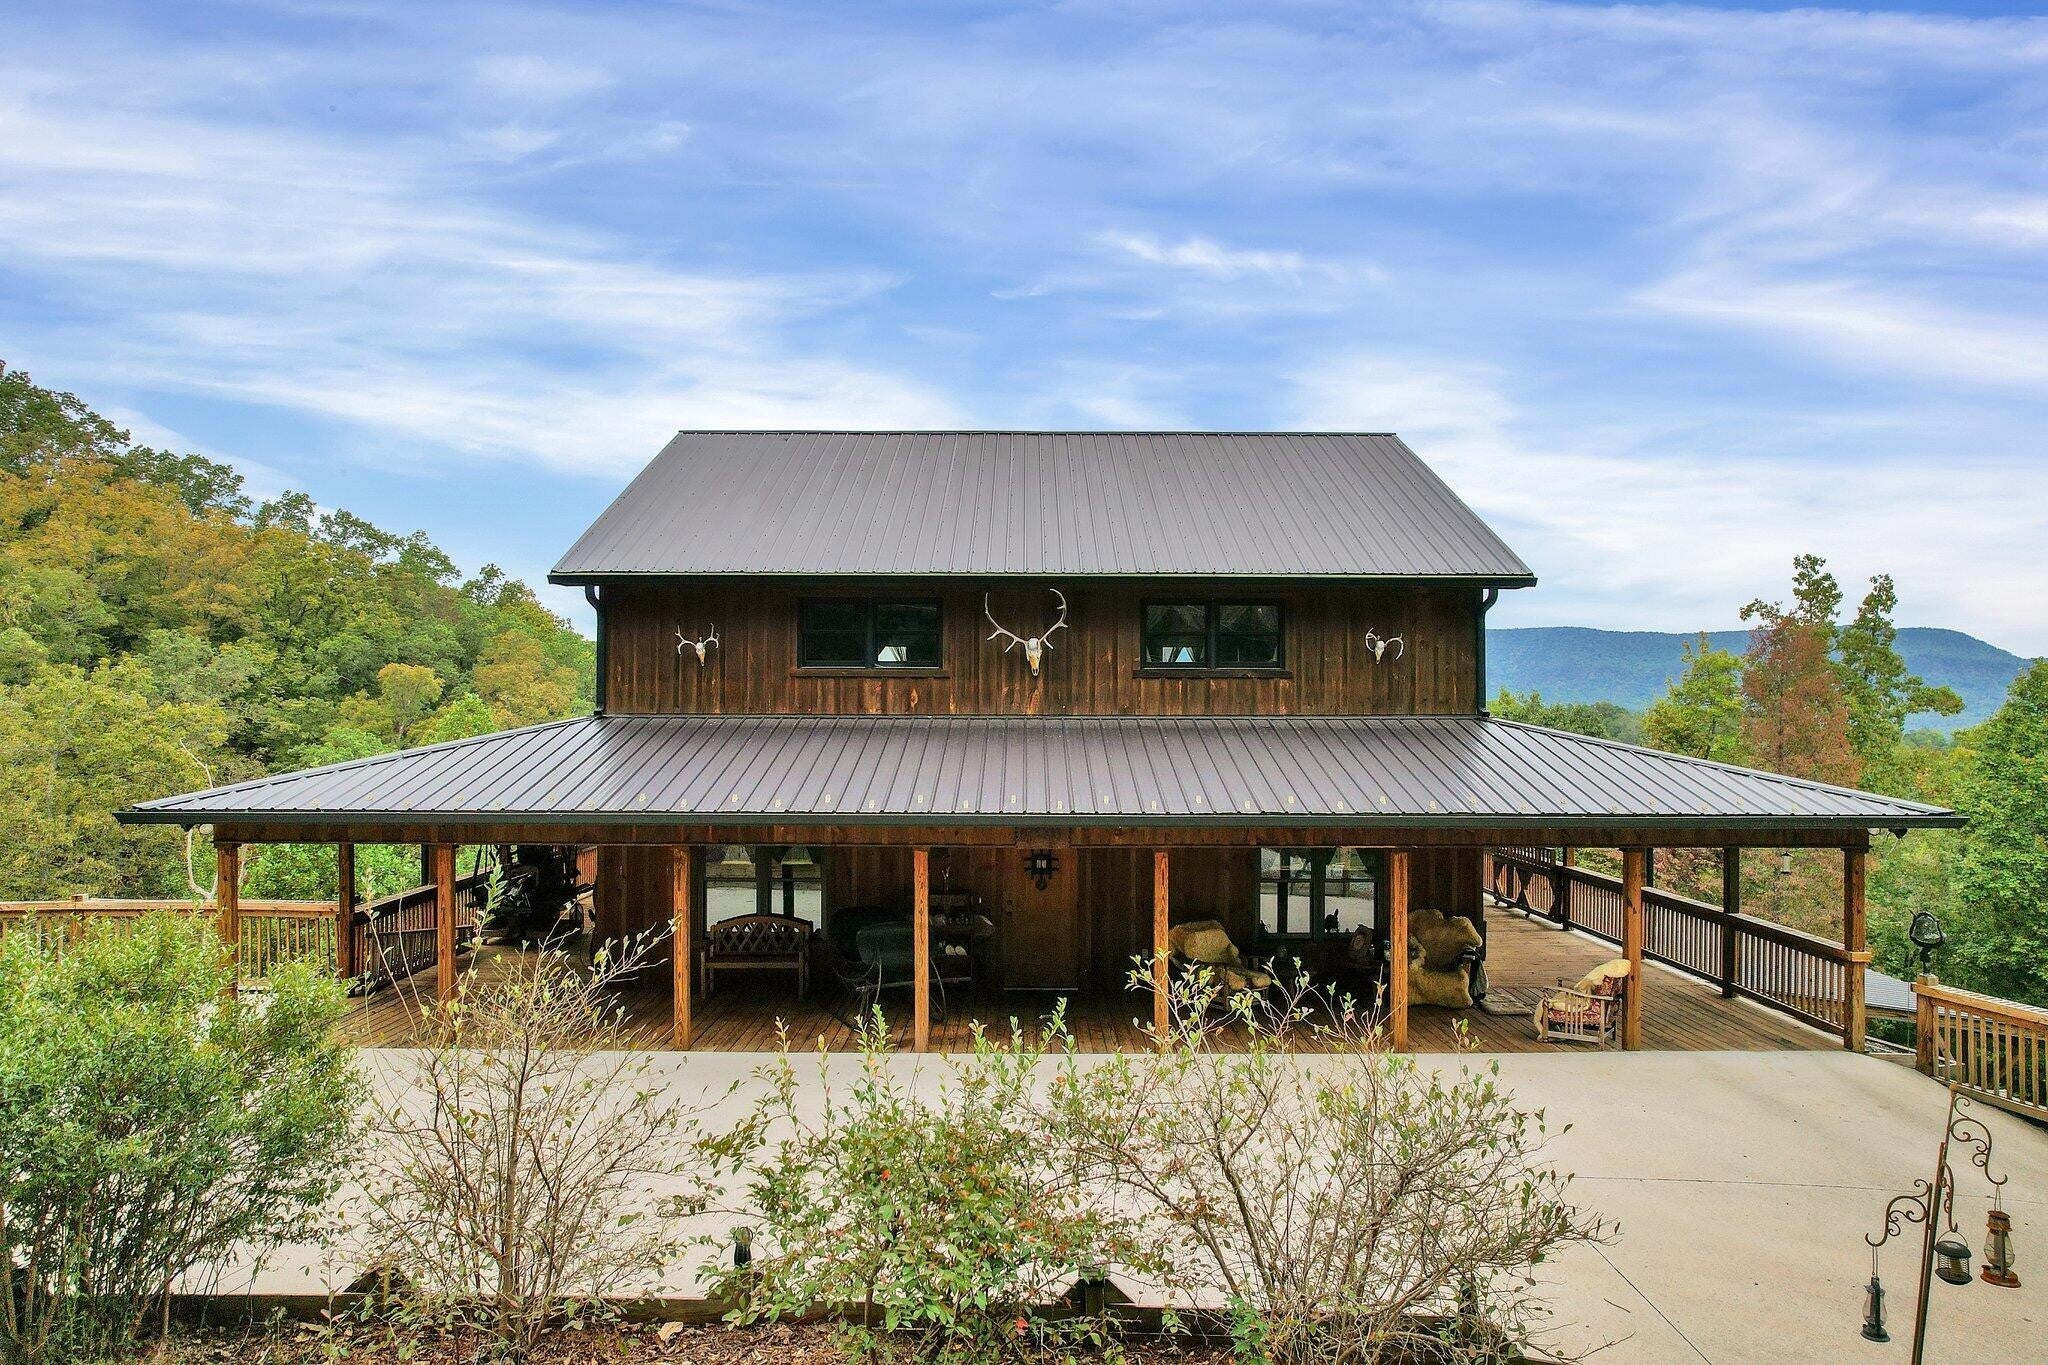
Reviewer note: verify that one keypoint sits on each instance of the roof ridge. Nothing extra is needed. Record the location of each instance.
(1023, 431)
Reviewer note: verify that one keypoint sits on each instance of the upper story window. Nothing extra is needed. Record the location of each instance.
(1212, 635)
(861, 632)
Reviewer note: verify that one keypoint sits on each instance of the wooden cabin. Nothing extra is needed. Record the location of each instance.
(1039, 697)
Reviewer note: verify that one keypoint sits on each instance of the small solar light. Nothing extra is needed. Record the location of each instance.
(1785, 863)
(1952, 1255)
(1926, 934)
(742, 1248)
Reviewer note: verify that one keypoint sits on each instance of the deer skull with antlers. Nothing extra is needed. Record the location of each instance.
(1379, 645)
(1035, 647)
(700, 646)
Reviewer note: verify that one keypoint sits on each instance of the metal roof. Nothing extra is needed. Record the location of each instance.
(1082, 503)
(1466, 771)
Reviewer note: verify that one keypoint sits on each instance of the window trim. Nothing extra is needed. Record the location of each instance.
(871, 606)
(1212, 611)
(1314, 893)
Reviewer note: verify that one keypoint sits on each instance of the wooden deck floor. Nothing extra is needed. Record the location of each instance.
(1679, 1013)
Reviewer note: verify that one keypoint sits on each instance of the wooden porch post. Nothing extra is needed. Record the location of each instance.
(1561, 887)
(1162, 986)
(1398, 866)
(227, 899)
(345, 912)
(1855, 938)
(444, 922)
(682, 946)
(1633, 866)
(1731, 902)
(921, 948)
(1923, 1026)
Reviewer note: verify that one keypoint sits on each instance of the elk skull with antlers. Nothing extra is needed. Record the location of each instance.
(1379, 645)
(700, 646)
(1035, 647)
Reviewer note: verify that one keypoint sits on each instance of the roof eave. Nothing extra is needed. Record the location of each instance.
(137, 815)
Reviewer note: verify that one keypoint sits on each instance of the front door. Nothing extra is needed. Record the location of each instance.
(1041, 939)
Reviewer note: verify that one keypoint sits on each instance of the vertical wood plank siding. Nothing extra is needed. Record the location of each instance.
(1091, 669)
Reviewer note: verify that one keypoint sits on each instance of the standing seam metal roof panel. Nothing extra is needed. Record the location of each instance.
(1040, 504)
(1462, 770)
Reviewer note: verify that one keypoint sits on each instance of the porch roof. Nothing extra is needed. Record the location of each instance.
(1421, 771)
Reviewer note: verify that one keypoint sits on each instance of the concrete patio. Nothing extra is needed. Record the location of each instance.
(1743, 1183)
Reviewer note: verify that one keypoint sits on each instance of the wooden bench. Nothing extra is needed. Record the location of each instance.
(754, 943)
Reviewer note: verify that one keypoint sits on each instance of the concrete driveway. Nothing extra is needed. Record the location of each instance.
(1742, 1182)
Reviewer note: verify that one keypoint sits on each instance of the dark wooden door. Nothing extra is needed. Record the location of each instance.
(1041, 932)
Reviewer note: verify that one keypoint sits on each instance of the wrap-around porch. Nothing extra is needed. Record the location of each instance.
(1528, 954)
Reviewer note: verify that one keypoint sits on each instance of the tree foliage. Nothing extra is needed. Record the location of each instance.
(1701, 714)
(2000, 863)
(159, 631)
(1601, 719)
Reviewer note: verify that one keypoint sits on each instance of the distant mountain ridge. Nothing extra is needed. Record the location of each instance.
(1633, 667)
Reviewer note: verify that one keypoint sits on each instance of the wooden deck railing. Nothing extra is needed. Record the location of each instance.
(393, 935)
(1796, 973)
(273, 931)
(1993, 1047)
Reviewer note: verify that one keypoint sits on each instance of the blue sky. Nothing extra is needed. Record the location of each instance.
(1669, 293)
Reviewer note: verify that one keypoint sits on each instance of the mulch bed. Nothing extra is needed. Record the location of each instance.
(296, 1344)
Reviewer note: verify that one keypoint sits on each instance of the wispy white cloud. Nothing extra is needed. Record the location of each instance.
(355, 281)
(1665, 521)
(1207, 256)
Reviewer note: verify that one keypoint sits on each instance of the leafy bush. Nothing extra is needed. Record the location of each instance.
(509, 1180)
(1347, 1205)
(150, 1123)
(934, 1221)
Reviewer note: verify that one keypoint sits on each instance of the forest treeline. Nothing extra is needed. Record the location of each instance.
(161, 631)
(1824, 696)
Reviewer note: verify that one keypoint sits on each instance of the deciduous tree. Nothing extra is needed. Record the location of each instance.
(1701, 713)
(2000, 912)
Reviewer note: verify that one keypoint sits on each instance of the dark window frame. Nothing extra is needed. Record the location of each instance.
(1212, 609)
(871, 608)
(1310, 891)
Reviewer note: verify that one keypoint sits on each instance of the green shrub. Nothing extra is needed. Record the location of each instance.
(151, 1124)
(1343, 1202)
(935, 1223)
(516, 1158)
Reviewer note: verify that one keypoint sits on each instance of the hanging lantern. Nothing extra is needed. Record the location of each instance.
(1952, 1256)
(1998, 1248)
(1785, 863)
(1873, 1305)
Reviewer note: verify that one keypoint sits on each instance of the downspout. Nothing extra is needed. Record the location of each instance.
(590, 595)
(1487, 598)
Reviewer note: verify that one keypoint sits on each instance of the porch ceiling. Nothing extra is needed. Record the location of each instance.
(1408, 771)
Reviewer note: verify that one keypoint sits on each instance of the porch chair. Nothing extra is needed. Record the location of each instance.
(1204, 943)
(754, 943)
(887, 960)
(1588, 1011)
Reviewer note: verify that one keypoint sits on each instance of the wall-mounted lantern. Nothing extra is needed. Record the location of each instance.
(1039, 865)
